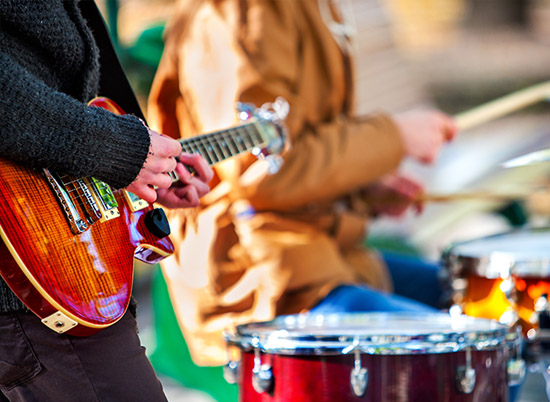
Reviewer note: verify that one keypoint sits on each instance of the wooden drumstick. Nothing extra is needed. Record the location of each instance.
(479, 195)
(482, 114)
(461, 196)
(502, 106)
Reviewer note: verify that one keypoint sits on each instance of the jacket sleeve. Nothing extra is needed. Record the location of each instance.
(42, 127)
(253, 53)
(346, 156)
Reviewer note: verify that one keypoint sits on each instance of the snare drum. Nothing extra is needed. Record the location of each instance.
(372, 357)
(504, 277)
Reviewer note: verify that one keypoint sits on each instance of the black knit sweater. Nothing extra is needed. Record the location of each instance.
(49, 69)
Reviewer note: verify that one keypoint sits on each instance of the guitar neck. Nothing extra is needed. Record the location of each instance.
(224, 144)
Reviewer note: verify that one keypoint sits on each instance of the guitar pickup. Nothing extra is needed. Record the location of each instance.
(134, 202)
(106, 200)
(86, 201)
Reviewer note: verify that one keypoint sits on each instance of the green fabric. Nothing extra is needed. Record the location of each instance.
(393, 244)
(171, 356)
(148, 47)
(141, 59)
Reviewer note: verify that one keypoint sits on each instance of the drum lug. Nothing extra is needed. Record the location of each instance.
(465, 379)
(231, 372)
(542, 305)
(541, 316)
(459, 287)
(508, 287)
(262, 378)
(359, 378)
(466, 375)
(515, 367)
(262, 375)
(515, 370)
(510, 317)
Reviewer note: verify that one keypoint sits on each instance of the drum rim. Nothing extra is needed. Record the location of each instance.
(281, 341)
(460, 263)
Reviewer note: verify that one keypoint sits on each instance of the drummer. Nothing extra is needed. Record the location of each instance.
(262, 244)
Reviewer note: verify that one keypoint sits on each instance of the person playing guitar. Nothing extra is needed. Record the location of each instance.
(55, 56)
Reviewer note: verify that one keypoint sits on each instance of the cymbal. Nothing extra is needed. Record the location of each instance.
(528, 159)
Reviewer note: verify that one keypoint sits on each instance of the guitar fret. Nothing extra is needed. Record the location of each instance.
(205, 154)
(220, 145)
(186, 147)
(246, 138)
(235, 143)
(239, 142)
(223, 147)
(259, 141)
(213, 146)
(195, 148)
(210, 149)
(230, 142)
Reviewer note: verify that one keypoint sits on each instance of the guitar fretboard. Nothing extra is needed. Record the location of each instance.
(220, 145)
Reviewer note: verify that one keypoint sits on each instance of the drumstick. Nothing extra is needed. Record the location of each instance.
(479, 195)
(482, 114)
(462, 196)
(502, 106)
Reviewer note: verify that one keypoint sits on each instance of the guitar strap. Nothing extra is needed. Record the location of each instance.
(113, 81)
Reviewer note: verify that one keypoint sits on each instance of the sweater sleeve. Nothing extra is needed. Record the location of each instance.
(42, 127)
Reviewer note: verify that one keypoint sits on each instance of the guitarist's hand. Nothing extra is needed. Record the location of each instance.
(191, 187)
(161, 159)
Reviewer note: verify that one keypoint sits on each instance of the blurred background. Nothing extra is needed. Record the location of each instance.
(452, 54)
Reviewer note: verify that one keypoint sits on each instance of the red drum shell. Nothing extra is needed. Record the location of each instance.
(409, 359)
(392, 378)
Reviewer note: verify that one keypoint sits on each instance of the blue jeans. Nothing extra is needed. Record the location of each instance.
(416, 288)
(415, 278)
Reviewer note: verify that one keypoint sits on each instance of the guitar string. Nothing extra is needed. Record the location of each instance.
(204, 141)
(226, 134)
(222, 145)
(211, 146)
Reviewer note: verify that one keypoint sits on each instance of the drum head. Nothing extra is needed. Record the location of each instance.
(371, 333)
(521, 253)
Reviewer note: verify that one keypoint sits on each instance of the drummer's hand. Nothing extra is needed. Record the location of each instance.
(160, 160)
(393, 195)
(424, 132)
(191, 187)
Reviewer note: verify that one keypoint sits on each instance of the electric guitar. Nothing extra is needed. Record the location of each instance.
(69, 243)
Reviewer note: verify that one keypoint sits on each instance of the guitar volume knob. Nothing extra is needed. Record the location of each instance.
(157, 223)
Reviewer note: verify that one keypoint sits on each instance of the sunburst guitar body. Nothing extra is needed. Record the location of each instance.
(69, 244)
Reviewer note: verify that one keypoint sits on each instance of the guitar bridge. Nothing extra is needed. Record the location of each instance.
(76, 223)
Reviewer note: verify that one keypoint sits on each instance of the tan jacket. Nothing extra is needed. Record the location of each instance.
(262, 245)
